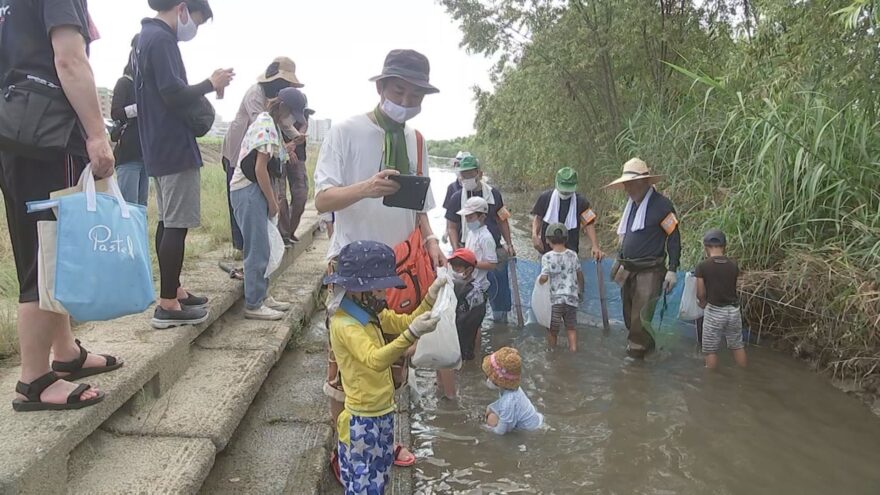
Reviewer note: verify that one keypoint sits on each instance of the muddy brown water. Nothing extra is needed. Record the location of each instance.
(664, 426)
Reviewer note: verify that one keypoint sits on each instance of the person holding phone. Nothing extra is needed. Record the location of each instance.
(353, 172)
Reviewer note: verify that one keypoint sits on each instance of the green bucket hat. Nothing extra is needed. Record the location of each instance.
(567, 180)
(468, 163)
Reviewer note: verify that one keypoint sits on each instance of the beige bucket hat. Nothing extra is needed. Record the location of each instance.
(281, 68)
(635, 169)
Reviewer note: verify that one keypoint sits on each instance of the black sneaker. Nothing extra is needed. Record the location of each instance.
(193, 302)
(163, 318)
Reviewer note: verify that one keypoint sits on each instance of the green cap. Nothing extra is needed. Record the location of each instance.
(468, 163)
(556, 230)
(567, 180)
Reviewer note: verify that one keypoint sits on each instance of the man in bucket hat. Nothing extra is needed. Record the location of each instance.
(564, 205)
(648, 232)
(360, 317)
(353, 172)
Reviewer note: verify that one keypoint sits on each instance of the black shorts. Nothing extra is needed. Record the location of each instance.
(26, 179)
(469, 323)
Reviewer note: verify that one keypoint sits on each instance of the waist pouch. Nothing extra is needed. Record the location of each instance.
(642, 264)
(36, 120)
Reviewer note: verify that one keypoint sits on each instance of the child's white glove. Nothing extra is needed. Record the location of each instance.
(670, 281)
(423, 325)
(434, 290)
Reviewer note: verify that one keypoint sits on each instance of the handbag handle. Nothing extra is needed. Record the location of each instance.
(87, 180)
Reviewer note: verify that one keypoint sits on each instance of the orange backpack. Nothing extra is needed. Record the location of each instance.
(414, 265)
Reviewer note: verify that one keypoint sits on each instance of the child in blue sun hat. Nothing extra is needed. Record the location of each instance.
(366, 425)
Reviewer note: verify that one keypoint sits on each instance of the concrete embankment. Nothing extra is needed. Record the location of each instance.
(180, 397)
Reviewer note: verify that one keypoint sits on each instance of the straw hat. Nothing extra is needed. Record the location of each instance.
(503, 368)
(633, 170)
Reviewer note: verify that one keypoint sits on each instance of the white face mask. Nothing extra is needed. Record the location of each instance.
(491, 385)
(186, 31)
(564, 196)
(469, 185)
(398, 113)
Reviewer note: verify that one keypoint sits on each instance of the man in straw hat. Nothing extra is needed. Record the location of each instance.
(353, 172)
(280, 74)
(648, 231)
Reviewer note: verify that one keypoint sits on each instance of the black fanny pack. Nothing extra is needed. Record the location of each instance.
(198, 116)
(249, 167)
(36, 120)
(642, 264)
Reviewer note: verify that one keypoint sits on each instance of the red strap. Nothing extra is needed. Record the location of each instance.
(420, 146)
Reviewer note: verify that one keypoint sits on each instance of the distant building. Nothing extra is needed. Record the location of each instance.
(318, 129)
(105, 96)
(220, 128)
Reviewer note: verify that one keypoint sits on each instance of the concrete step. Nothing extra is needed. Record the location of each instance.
(107, 464)
(34, 447)
(228, 365)
(283, 444)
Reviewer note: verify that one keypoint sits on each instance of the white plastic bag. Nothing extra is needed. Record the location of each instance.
(440, 349)
(276, 247)
(690, 309)
(541, 306)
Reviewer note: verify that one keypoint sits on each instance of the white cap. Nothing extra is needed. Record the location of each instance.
(462, 154)
(475, 205)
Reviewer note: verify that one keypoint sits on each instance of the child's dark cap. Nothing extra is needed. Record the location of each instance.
(715, 238)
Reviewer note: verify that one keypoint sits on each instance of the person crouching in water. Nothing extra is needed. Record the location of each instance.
(513, 410)
(254, 201)
(366, 425)
(560, 266)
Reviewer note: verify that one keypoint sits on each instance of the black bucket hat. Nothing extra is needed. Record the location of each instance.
(409, 65)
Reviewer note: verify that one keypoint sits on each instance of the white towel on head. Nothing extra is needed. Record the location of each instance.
(639, 221)
(485, 193)
(552, 216)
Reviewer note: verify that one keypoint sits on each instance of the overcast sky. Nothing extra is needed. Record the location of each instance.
(336, 44)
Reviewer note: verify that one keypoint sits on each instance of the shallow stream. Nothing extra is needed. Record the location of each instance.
(664, 426)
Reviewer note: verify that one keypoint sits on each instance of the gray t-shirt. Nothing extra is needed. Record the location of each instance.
(562, 268)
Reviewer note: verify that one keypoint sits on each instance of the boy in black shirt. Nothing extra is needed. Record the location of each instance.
(716, 292)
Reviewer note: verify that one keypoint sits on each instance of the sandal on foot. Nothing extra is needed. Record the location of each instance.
(36, 388)
(75, 368)
(403, 462)
(334, 467)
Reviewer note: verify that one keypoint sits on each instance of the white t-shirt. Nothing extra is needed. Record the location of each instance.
(482, 244)
(352, 153)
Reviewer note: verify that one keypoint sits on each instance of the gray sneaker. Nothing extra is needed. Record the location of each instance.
(263, 313)
(163, 318)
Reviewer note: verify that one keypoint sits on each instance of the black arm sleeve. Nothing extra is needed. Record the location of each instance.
(122, 97)
(183, 97)
(673, 249)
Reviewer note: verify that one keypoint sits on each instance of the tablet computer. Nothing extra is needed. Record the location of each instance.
(412, 193)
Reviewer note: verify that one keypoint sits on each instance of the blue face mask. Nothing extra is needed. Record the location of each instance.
(474, 226)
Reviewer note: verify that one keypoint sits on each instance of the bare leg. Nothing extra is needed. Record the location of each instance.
(572, 340)
(38, 330)
(551, 340)
(711, 361)
(446, 383)
(739, 355)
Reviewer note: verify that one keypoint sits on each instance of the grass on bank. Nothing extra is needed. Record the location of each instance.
(213, 234)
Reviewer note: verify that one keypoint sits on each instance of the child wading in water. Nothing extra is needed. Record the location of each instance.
(366, 425)
(480, 242)
(513, 410)
(716, 292)
(561, 267)
(471, 308)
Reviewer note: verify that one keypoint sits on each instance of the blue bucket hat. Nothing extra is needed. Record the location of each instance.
(364, 266)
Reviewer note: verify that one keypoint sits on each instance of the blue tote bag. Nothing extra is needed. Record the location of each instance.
(102, 262)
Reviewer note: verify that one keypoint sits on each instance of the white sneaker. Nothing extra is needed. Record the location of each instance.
(263, 313)
(270, 302)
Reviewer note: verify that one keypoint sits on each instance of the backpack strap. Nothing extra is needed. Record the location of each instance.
(420, 146)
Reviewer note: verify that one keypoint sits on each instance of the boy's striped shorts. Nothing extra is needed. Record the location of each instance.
(721, 321)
